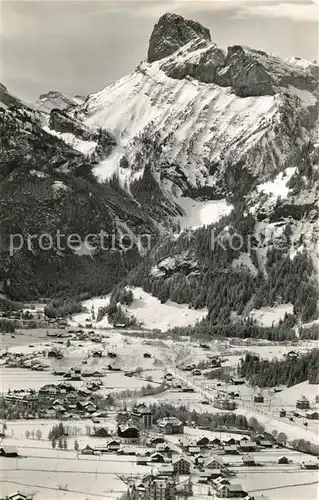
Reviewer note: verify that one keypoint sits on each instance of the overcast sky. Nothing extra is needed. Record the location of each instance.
(78, 47)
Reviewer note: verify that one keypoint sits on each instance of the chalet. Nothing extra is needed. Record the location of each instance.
(215, 442)
(243, 439)
(157, 458)
(204, 346)
(156, 440)
(282, 460)
(259, 398)
(237, 381)
(181, 465)
(209, 475)
(199, 460)
(303, 403)
(101, 432)
(214, 463)
(8, 451)
(231, 450)
(128, 433)
(88, 450)
(203, 477)
(164, 448)
(247, 446)
(18, 496)
(55, 353)
(220, 481)
(292, 355)
(165, 470)
(185, 443)
(266, 444)
(170, 425)
(203, 442)
(127, 451)
(230, 441)
(86, 406)
(310, 464)
(113, 445)
(231, 491)
(248, 461)
(194, 450)
(312, 415)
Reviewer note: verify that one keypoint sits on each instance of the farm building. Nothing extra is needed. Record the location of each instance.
(266, 444)
(18, 496)
(113, 445)
(8, 451)
(215, 442)
(237, 381)
(312, 415)
(202, 442)
(248, 461)
(282, 460)
(214, 463)
(88, 450)
(310, 465)
(231, 450)
(157, 458)
(230, 491)
(259, 398)
(170, 425)
(302, 403)
(248, 446)
(165, 469)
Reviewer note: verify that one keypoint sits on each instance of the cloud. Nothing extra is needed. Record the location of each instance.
(295, 11)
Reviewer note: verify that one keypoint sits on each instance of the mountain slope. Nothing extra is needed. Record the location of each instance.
(200, 135)
(47, 189)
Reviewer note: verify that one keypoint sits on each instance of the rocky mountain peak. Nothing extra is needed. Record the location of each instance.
(172, 32)
(53, 100)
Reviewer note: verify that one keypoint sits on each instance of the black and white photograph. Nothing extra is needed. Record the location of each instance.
(159, 250)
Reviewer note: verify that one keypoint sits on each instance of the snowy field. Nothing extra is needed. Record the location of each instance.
(149, 311)
(268, 316)
(201, 213)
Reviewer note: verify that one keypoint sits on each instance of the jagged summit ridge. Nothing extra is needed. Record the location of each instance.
(172, 32)
(183, 48)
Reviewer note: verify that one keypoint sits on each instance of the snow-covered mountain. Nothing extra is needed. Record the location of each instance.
(204, 122)
(56, 100)
(199, 135)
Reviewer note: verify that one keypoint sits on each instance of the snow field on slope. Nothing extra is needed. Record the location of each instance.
(278, 187)
(267, 316)
(201, 213)
(202, 117)
(149, 311)
(85, 147)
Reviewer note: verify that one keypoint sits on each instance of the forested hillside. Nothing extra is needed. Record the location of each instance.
(289, 371)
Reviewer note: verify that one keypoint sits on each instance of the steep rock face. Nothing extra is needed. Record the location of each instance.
(172, 32)
(195, 60)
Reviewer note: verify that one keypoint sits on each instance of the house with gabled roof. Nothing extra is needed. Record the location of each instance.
(181, 465)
